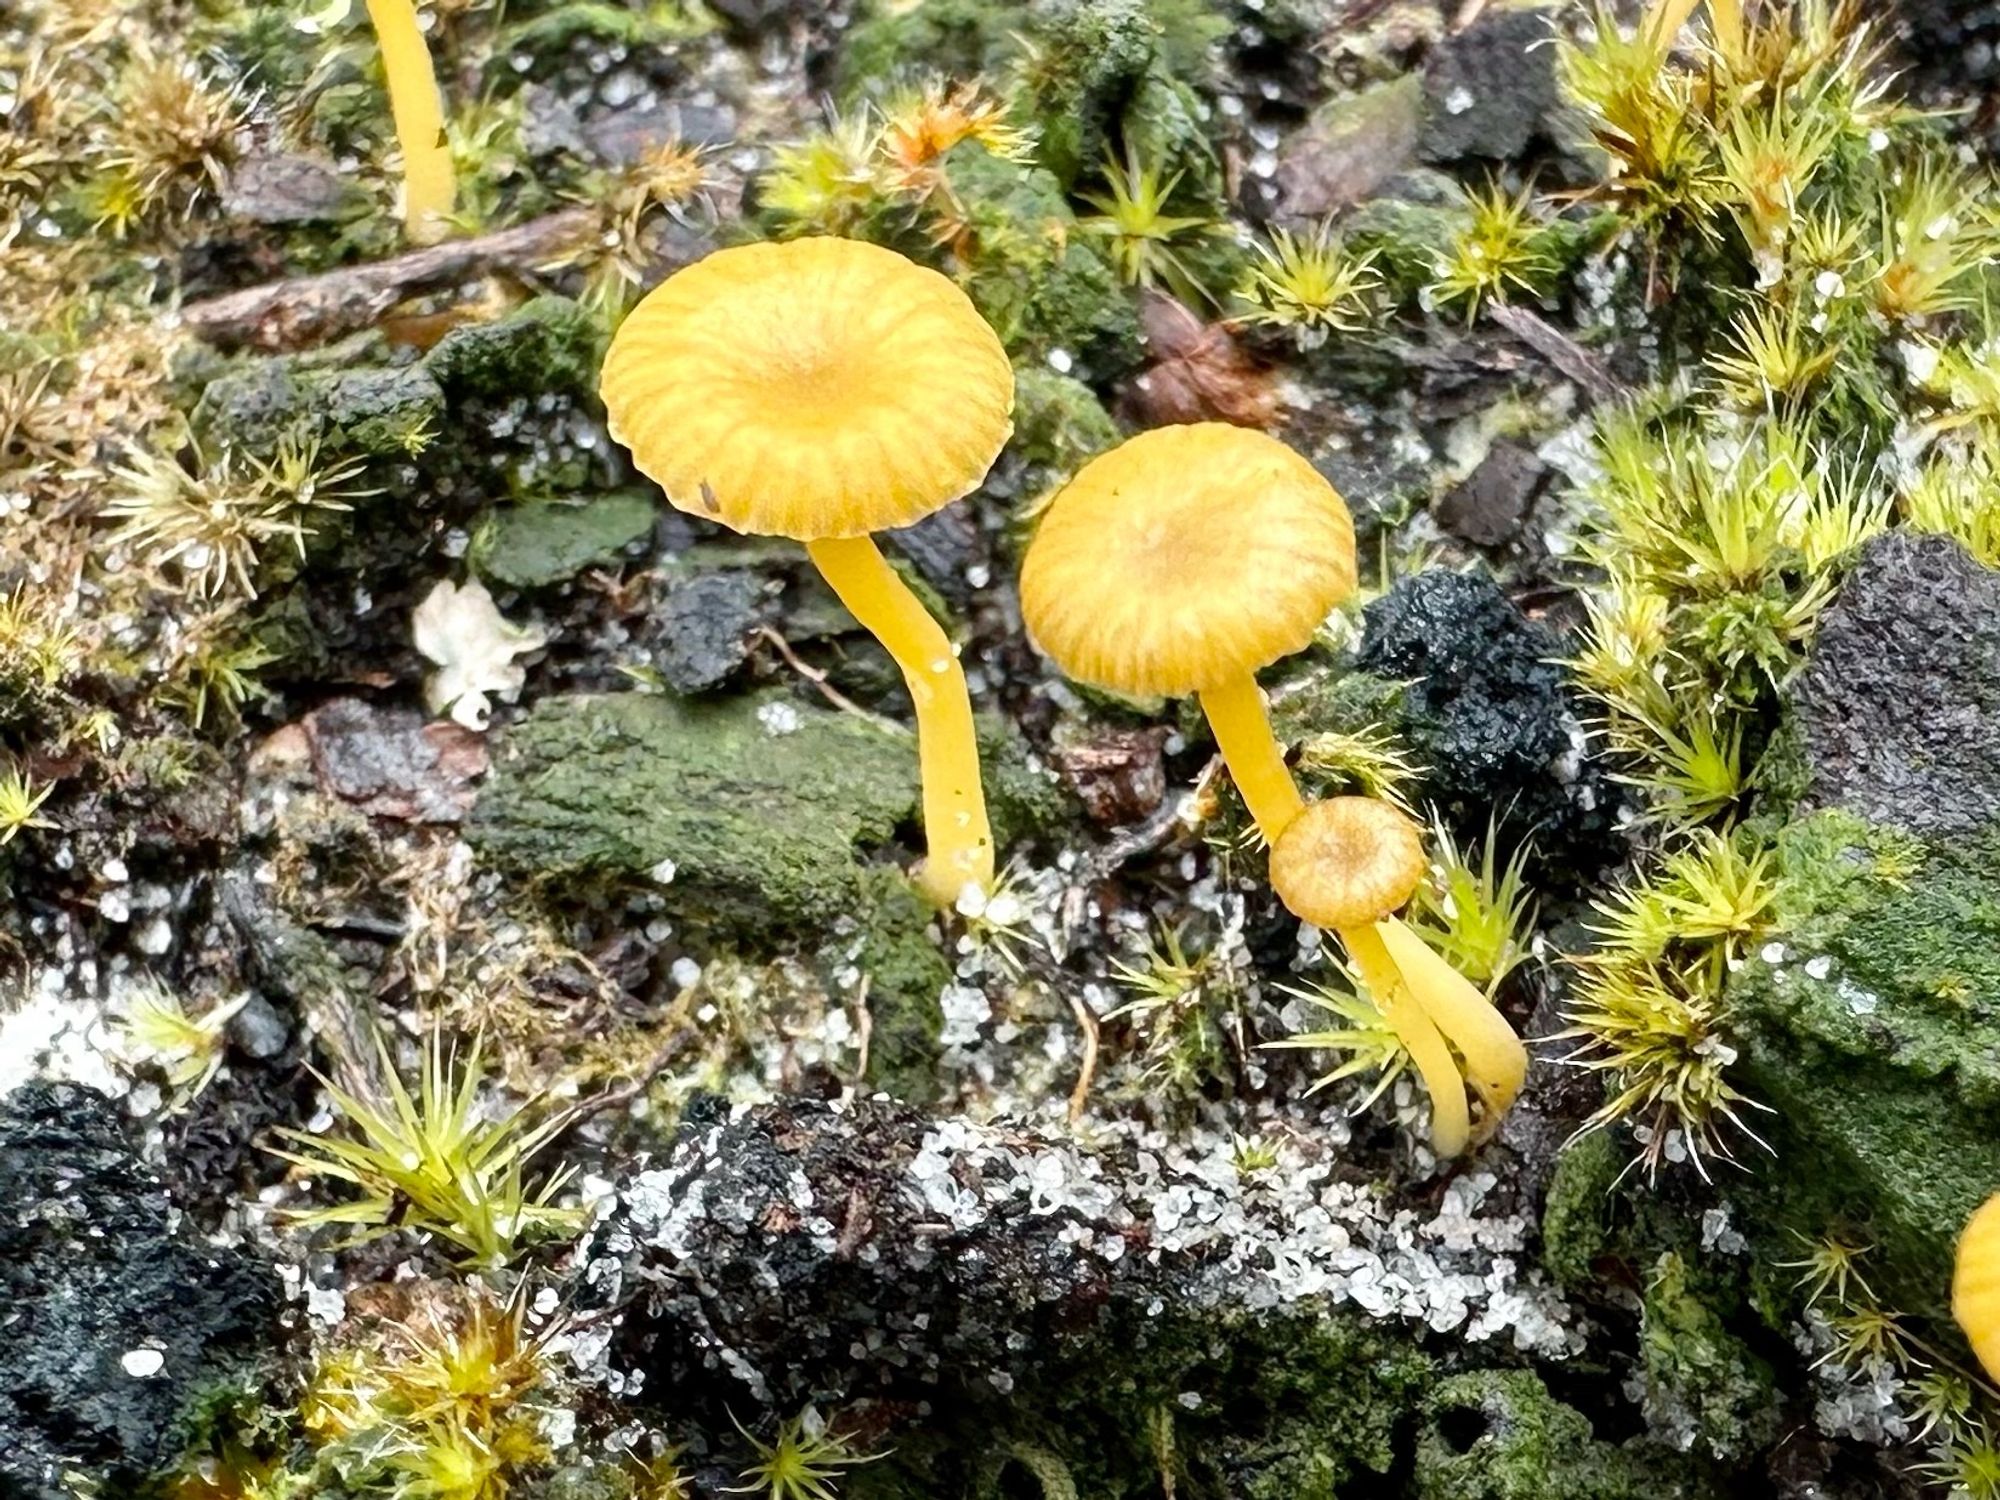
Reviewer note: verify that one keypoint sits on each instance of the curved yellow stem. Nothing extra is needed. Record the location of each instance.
(1451, 1117)
(961, 841)
(428, 188)
(1495, 1061)
(1256, 761)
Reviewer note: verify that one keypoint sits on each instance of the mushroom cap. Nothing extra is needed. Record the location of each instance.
(1347, 862)
(1975, 1284)
(812, 388)
(1184, 558)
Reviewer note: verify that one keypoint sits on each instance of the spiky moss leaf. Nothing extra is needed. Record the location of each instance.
(1876, 1039)
(548, 345)
(542, 542)
(1500, 1435)
(765, 829)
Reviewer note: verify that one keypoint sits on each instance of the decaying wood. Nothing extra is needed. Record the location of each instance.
(308, 310)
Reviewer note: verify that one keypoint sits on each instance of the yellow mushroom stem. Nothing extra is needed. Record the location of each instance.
(1256, 762)
(961, 842)
(1495, 1061)
(1430, 1003)
(1451, 1119)
(428, 189)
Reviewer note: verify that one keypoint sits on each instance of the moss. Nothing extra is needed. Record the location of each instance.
(905, 971)
(764, 829)
(1031, 274)
(1058, 421)
(544, 542)
(956, 38)
(1500, 1435)
(1333, 701)
(549, 344)
(1700, 1381)
(1219, 1406)
(366, 411)
(1578, 1213)
(1024, 800)
(1876, 1039)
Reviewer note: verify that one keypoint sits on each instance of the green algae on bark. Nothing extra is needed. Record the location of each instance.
(761, 807)
(1871, 1026)
(1501, 1435)
(764, 808)
(543, 542)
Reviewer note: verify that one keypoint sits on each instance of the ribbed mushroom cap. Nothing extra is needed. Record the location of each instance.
(1975, 1284)
(1347, 862)
(814, 388)
(1184, 558)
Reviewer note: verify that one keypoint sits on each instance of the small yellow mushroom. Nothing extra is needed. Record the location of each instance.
(823, 389)
(1181, 562)
(1349, 864)
(1975, 1284)
(428, 188)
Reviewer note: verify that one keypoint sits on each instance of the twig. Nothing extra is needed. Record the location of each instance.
(675, 1024)
(1560, 350)
(864, 1031)
(1080, 1095)
(827, 690)
(307, 310)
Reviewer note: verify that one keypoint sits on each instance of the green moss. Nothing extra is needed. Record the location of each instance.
(955, 38)
(1500, 1435)
(1876, 1040)
(1058, 421)
(1024, 800)
(905, 971)
(1222, 1407)
(1038, 281)
(1334, 702)
(543, 542)
(549, 344)
(764, 829)
(1579, 1211)
(1699, 1378)
(366, 411)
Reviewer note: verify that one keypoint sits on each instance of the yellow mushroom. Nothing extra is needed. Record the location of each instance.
(1975, 1284)
(1181, 562)
(428, 188)
(823, 389)
(1348, 864)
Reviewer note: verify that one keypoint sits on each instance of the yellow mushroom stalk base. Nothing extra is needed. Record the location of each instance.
(429, 190)
(1403, 1007)
(1256, 762)
(955, 825)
